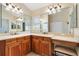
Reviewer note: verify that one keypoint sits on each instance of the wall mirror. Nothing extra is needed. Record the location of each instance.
(65, 21)
(8, 21)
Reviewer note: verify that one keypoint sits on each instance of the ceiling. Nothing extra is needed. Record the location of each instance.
(35, 6)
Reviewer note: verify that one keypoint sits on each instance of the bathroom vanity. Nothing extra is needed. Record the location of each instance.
(42, 44)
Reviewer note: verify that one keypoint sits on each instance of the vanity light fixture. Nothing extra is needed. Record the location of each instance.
(13, 8)
(8, 7)
(52, 9)
(58, 7)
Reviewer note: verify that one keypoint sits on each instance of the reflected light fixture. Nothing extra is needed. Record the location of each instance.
(53, 9)
(13, 8)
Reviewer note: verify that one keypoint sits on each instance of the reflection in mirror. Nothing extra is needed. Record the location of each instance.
(5, 26)
(64, 21)
(60, 22)
(40, 23)
(19, 26)
(12, 26)
(35, 24)
(27, 23)
(44, 23)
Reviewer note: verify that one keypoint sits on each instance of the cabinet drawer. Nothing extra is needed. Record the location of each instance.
(2, 48)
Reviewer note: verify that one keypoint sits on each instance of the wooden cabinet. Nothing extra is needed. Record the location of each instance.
(2, 49)
(23, 45)
(41, 45)
(26, 45)
(36, 44)
(13, 48)
(18, 46)
(46, 46)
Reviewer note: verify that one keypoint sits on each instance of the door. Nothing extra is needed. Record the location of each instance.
(25, 46)
(14, 49)
(36, 44)
(2, 48)
(46, 47)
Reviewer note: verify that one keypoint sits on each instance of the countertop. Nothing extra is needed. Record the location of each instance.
(52, 36)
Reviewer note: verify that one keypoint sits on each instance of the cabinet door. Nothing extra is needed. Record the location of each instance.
(13, 49)
(2, 48)
(46, 47)
(25, 46)
(36, 44)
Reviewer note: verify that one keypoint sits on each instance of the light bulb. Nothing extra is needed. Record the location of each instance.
(50, 13)
(9, 7)
(53, 10)
(48, 10)
(20, 11)
(15, 8)
(58, 8)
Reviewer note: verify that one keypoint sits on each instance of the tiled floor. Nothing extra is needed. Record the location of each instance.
(32, 54)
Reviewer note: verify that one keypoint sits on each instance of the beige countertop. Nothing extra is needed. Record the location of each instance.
(53, 36)
(61, 37)
(5, 37)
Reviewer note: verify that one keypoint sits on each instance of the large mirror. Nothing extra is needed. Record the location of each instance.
(60, 22)
(10, 22)
(66, 21)
(40, 23)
